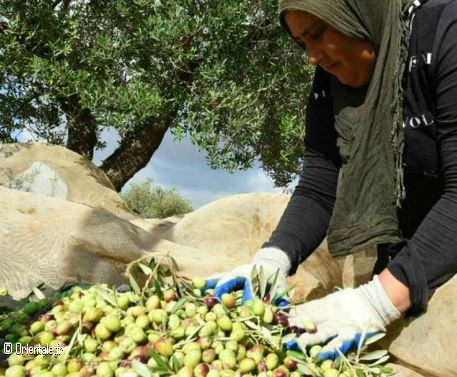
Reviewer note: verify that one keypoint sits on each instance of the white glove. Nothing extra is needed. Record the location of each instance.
(342, 317)
(272, 260)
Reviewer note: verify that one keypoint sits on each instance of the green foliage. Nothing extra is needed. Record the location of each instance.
(222, 72)
(154, 201)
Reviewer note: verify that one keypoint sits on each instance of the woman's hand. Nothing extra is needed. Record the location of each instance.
(271, 260)
(342, 317)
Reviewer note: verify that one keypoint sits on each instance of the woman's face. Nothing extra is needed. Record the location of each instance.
(350, 60)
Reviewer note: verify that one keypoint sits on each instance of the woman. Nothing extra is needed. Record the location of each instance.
(380, 166)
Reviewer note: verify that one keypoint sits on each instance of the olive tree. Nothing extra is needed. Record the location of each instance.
(222, 73)
(152, 201)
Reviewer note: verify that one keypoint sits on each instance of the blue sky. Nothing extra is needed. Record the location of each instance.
(182, 166)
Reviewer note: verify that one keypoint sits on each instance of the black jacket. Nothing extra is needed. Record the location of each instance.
(427, 257)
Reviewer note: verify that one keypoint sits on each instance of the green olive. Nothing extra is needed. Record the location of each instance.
(199, 283)
(247, 365)
(104, 370)
(15, 371)
(102, 332)
(112, 322)
(192, 358)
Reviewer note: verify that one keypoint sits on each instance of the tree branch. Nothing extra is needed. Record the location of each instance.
(136, 150)
(82, 135)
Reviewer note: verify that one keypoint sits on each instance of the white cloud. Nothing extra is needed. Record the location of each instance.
(182, 166)
(259, 181)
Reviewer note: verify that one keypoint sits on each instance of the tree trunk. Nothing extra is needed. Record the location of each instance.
(82, 135)
(134, 152)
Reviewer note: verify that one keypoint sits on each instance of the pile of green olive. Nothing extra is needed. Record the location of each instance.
(102, 332)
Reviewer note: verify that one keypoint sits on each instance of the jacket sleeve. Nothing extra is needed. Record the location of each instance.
(429, 258)
(305, 220)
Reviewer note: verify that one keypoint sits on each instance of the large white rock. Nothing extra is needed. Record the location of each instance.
(56, 171)
(53, 241)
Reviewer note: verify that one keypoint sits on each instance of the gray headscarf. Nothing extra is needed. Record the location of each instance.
(370, 137)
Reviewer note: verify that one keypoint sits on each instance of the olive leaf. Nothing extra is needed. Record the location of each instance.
(174, 263)
(193, 334)
(70, 346)
(37, 292)
(262, 283)
(146, 270)
(360, 372)
(264, 335)
(179, 305)
(158, 289)
(374, 355)
(254, 276)
(382, 370)
(141, 369)
(296, 355)
(134, 285)
(161, 364)
(303, 368)
(381, 360)
(274, 285)
(174, 363)
(374, 338)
